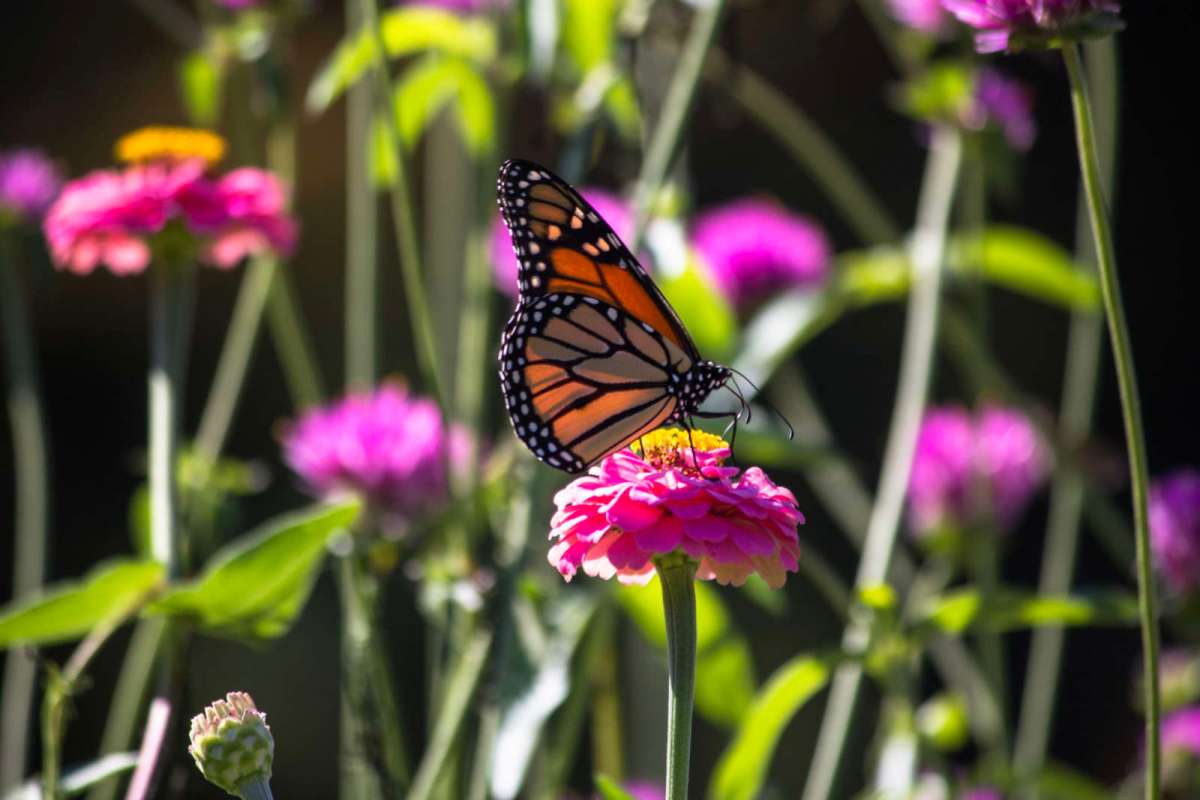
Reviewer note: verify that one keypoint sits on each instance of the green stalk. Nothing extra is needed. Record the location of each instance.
(170, 304)
(808, 146)
(668, 133)
(1118, 330)
(31, 471)
(677, 574)
(362, 224)
(293, 343)
(373, 759)
(986, 545)
(1075, 421)
(916, 361)
(404, 220)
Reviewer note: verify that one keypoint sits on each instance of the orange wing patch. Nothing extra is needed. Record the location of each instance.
(576, 423)
(575, 265)
(623, 431)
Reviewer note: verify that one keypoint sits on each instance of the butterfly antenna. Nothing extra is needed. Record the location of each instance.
(762, 399)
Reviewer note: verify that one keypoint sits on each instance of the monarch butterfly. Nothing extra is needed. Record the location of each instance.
(593, 356)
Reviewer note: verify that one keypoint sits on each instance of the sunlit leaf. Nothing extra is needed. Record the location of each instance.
(588, 31)
(724, 667)
(876, 275)
(968, 609)
(257, 585)
(405, 30)
(434, 82)
(608, 789)
(77, 780)
(200, 87)
(707, 316)
(1026, 262)
(68, 611)
(1059, 782)
(743, 767)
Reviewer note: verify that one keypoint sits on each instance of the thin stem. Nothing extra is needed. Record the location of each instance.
(1118, 330)
(808, 145)
(31, 472)
(991, 644)
(169, 303)
(374, 763)
(257, 790)
(404, 219)
(362, 225)
(1075, 421)
(293, 343)
(916, 361)
(679, 610)
(668, 133)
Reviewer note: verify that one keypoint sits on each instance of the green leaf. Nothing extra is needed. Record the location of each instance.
(405, 31)
(256, 586)
(707, 316)
(68, 611)
(967, 609)
(781, 327)
(200, 85)
(1028, 263)
(1058, 782)
(742, 768)
(724, 668)
(588, 31)
(608, 789)
(877, 275)
(77, 780)
(434, 82)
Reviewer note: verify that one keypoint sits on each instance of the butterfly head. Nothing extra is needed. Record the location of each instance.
(702, 379)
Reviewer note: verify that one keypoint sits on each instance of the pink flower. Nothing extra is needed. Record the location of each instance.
(1004, 103)
(971, 468)
(254, 207)
(28, 183)
(752, 248)
(997, 21)
(926, 16)
(613, 209)
(1181, 731)
(631, 508)
(386, 445)
(1175, 528)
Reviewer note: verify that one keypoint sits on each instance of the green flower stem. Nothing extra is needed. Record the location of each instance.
(1118, 330)
(668, 132)
(808, 145)
(404, 219)
(916, 359)
(456, 702)
(991, 644)
(293, 343)
(256, 790)
(374, 762)
(133, 681)
(1075, 422)
(677, 574)
(362, 225)
(31, 471)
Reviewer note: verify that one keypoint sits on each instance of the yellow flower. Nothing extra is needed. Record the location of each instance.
(155, 143)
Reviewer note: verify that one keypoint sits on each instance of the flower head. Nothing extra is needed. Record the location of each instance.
(384, 445)
(1003, 103)
(970, 468)
(926, 16)
(1001, 24)
(459, 6)
(231, 743)
(28, 183)
(615, 211)
(754, 247)
(631, 508)
(1175, 528)
(111, 217)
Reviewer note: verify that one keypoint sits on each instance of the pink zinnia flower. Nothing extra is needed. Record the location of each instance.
(752, 248)
(1175, 528)
(631, 508)
(971, 468)
(926, 16)
(386, 445)
(256, 221)
(1181, 731)
(28, 183)
(998, 21)
(615, 211)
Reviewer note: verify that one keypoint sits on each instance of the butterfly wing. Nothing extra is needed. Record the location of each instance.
(563, 246)
(593, 356)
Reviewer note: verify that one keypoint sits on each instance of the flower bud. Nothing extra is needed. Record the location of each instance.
(231, 743)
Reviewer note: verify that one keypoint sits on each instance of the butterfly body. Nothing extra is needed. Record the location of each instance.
(593, 356)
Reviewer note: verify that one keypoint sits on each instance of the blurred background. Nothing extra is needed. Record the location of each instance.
(79, 75)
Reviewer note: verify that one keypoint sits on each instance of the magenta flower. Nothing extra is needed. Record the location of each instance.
(1181, 731)
(613, 209)
(631, 508)
(387, 446)
(968, 469)
(110, 217)
(999, 22)
(926, 16)
(1005, 104)
(1175, 528)
(752, 248)
(28, 183)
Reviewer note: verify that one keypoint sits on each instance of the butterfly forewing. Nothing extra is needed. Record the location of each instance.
(593, 356)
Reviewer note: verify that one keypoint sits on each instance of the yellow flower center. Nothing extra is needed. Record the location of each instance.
(669, 447)
(172, 144)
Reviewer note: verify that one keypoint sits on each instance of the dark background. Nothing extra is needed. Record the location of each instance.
(77, 75)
